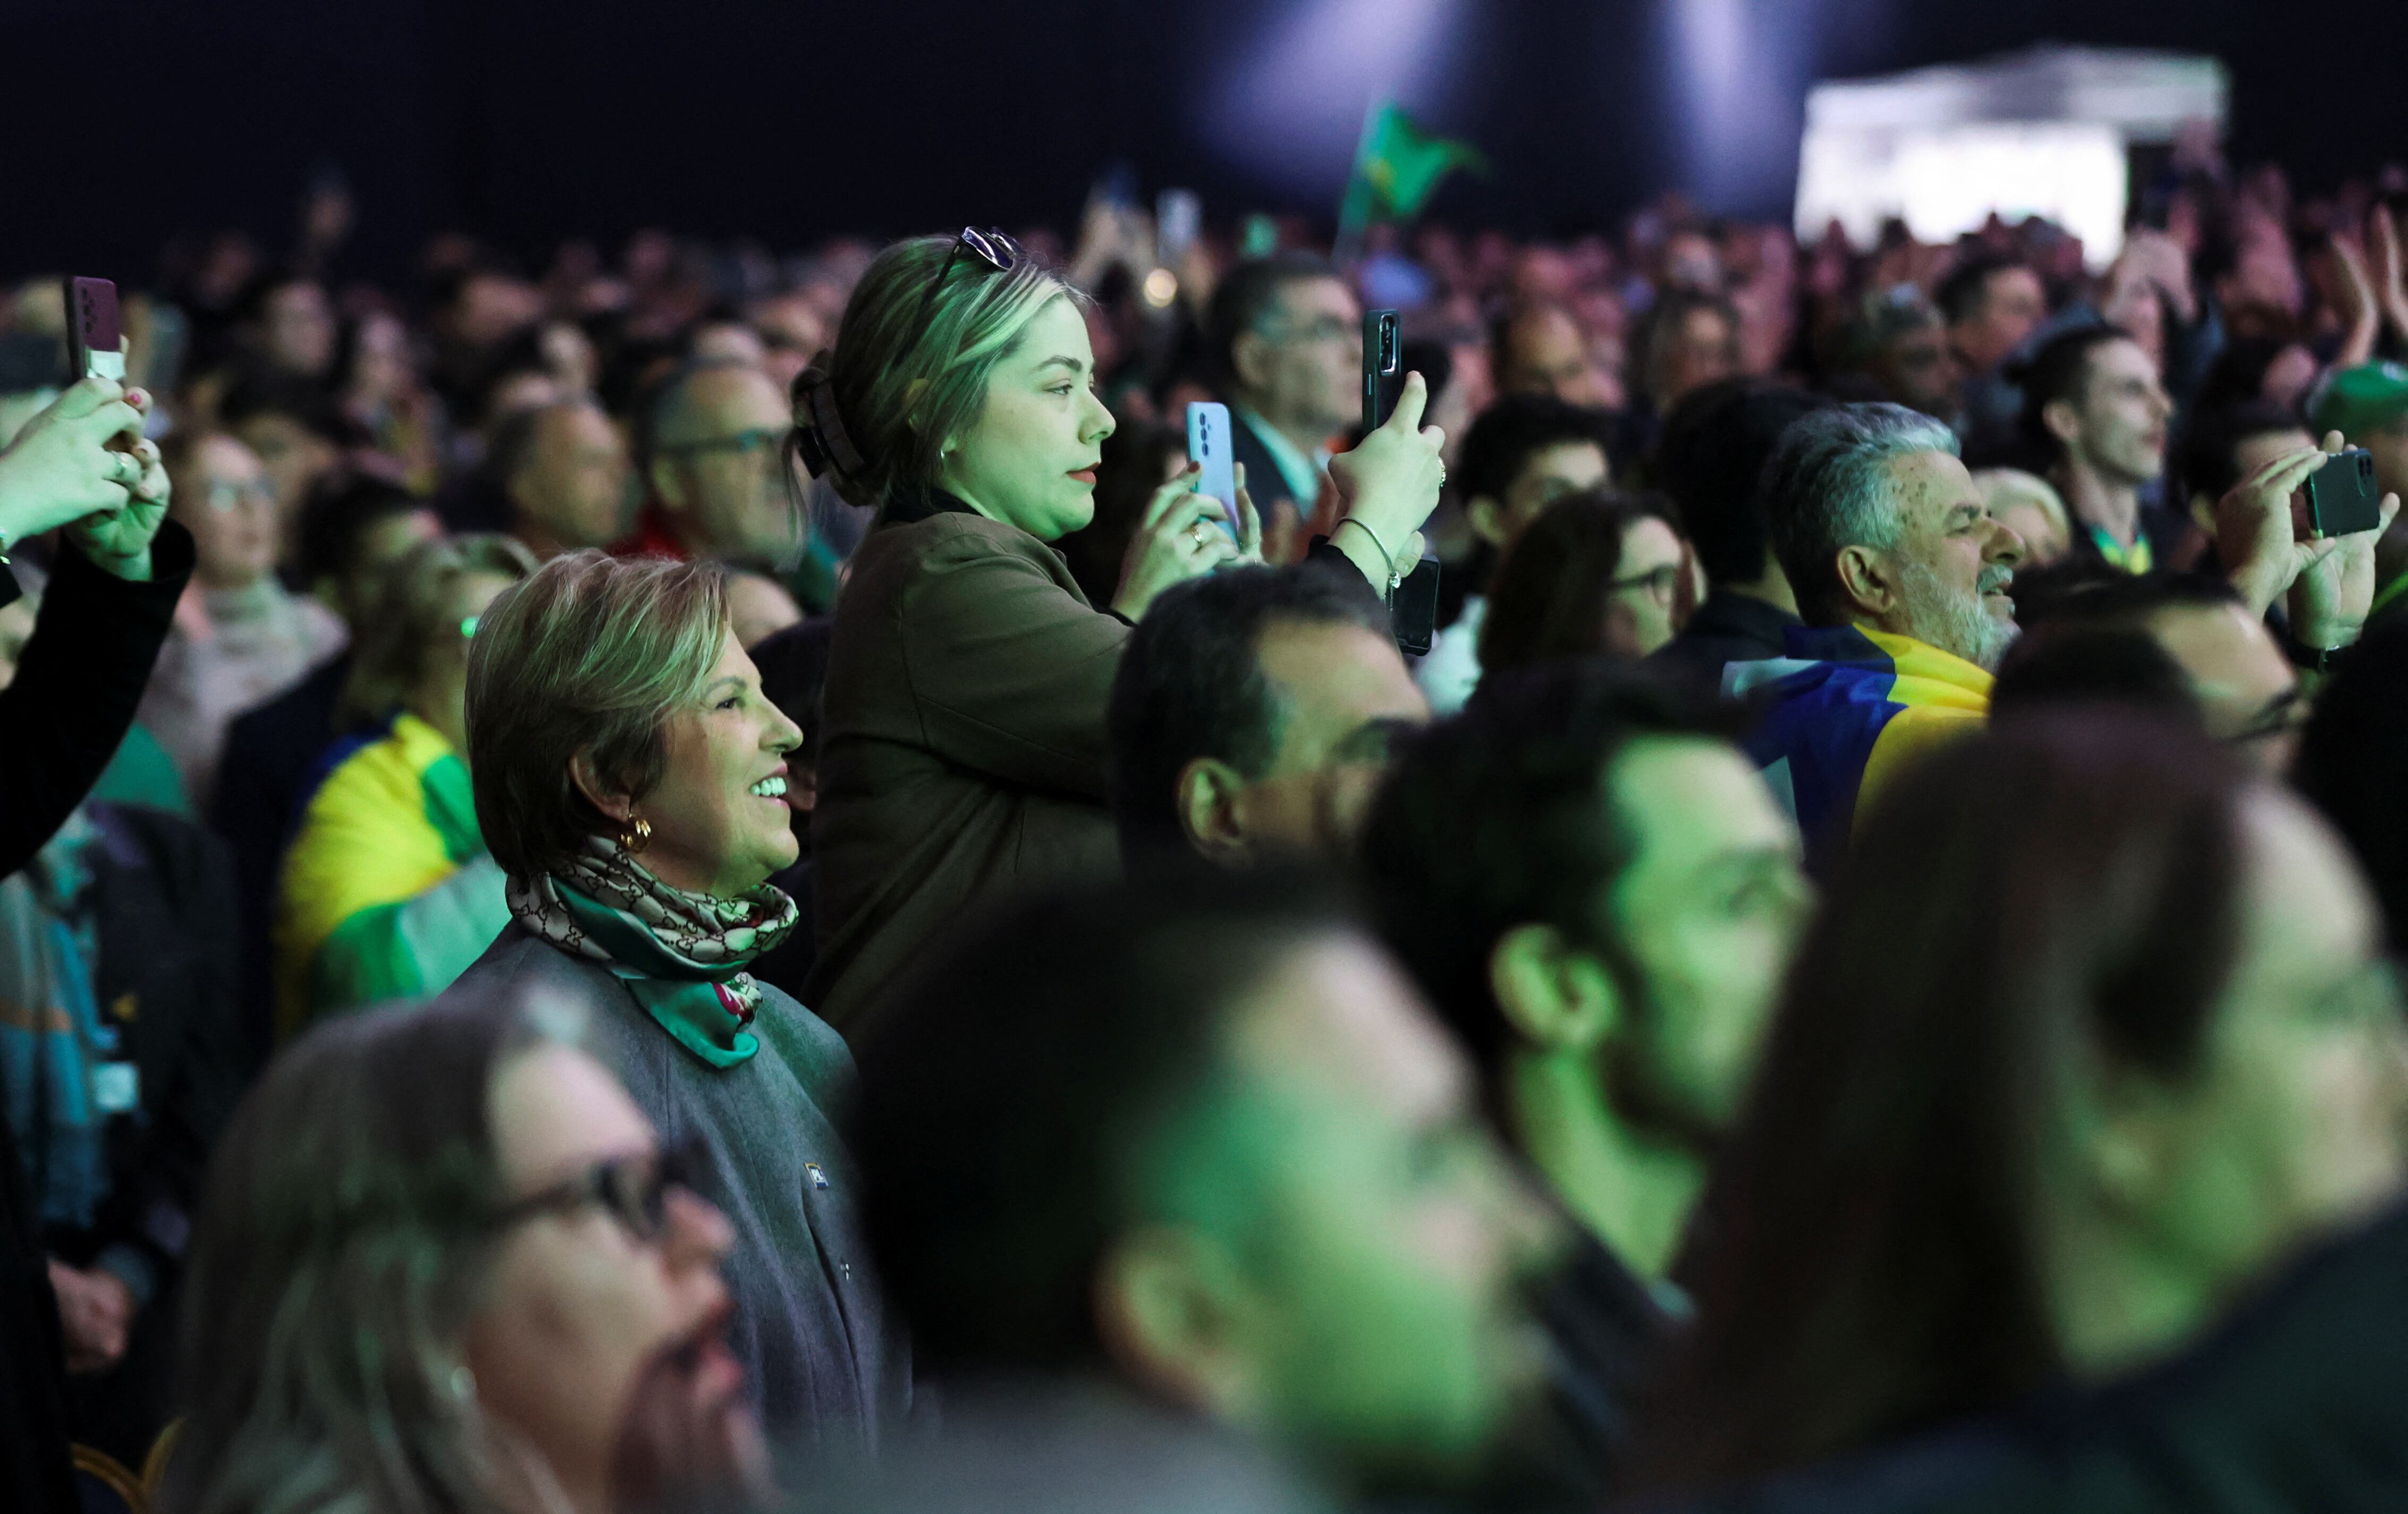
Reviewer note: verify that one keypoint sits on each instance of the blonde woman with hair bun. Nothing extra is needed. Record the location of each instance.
(963, 749)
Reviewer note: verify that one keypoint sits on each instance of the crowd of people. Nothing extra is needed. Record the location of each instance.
(689, 882)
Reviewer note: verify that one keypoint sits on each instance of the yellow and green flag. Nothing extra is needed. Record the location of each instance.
(1397, 166)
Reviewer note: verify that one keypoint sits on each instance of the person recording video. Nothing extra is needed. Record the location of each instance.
(80, 464)
(968, 674)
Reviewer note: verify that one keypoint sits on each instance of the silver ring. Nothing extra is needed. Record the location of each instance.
(1196, 536)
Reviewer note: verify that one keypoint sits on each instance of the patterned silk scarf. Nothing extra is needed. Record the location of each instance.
(682, 954)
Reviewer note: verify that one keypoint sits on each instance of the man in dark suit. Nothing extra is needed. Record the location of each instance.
(1287, 341)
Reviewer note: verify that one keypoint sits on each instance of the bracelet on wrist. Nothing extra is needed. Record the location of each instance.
(1387, 556)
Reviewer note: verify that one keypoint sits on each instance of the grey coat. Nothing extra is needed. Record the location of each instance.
(809, 1325)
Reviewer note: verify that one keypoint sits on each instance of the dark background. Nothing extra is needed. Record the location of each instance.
(789, 119)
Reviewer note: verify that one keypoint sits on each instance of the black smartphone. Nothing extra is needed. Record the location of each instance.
(93, 348)
(1413, 611)
(1383, 369)
(2343, 497)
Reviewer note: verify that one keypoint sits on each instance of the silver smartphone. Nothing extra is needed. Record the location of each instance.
(1210, 446)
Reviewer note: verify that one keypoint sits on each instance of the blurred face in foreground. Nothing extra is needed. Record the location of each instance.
(1340, 1246)
(1341, 696)
(1707, 915)
(599, 1340)
(2288, 1123)
(2247, 690)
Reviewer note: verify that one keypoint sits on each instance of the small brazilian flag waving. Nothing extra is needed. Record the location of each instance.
(1396, 168)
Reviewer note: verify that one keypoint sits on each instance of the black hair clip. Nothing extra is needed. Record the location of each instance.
(820, 437)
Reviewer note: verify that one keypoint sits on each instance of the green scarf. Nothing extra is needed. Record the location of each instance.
(682, 954)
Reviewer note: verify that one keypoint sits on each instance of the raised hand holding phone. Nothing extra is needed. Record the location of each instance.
(118, 540)
(1178, 539)
(63, 467)
(1390, 481)
(2265, 531)
(2346, 514)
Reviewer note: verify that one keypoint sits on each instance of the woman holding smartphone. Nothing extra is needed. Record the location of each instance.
(964, 715)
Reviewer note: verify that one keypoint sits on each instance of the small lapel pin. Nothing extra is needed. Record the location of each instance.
(819, 1178)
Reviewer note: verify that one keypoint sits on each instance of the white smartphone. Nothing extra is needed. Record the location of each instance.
(1210, 445)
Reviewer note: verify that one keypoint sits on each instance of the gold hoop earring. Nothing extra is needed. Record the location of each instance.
(635, 834)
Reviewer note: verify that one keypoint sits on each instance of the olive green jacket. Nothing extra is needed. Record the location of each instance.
(963, 750)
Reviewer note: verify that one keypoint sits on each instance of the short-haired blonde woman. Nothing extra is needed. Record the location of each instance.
(388, 891)
(964, 749)
(444, 1263)
(630, 779)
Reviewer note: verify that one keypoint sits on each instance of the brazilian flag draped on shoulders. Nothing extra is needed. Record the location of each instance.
(388, 891)
(1843, 712)
(1397, 166)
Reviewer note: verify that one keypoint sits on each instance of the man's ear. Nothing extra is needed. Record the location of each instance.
(1555, 995)
(1207, 800)
(1865, 580)
(2061, 420)
(1249, 359)
(2203, 514)
(1171, 1310)
(1486, 513)
(613, 801)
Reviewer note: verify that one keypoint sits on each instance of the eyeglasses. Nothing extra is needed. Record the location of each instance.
(633, 1189)
(223, 497)
(990, 247)
(758, 442)
(1661, 583)
(1324, 329)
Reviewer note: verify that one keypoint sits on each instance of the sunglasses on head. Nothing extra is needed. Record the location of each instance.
(634, 1190)
(990, 246)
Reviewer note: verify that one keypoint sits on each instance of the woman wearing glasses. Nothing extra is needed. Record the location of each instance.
(443, 1261)
(630, 782)
(1593, 575)
(245, 638)
(968, 676)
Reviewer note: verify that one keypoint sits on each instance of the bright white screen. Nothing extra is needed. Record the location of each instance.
(1947, 180)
